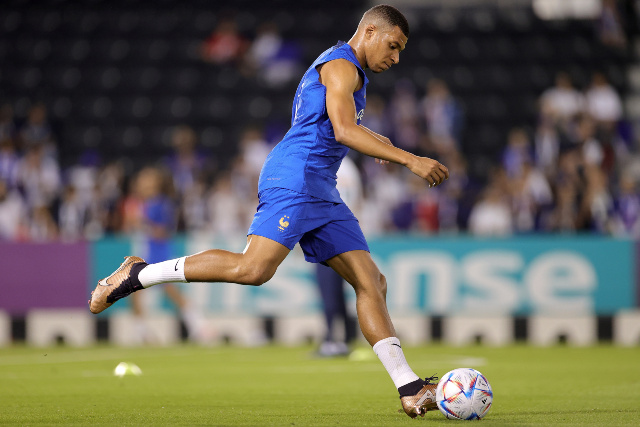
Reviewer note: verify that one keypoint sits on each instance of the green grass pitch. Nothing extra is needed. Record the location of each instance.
(229, 386)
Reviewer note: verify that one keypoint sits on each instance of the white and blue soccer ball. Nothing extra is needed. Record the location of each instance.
(464, 394)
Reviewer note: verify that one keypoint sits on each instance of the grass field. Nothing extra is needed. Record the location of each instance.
(279, 386)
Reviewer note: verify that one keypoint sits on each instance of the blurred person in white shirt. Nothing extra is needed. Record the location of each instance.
(491, 215)
(603, 102)
(12, 213)
(39, 177)
(226, 209)
(562, 101)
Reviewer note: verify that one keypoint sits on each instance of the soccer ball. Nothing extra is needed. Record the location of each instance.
(464, 394)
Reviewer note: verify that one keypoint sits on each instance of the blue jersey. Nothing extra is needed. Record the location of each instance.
(308, 157)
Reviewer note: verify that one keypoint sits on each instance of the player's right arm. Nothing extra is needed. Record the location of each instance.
(341, 79)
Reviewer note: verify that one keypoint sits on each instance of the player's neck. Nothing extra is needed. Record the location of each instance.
(357, 45)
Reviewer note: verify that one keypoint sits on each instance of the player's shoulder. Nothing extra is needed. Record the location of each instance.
(339, 70)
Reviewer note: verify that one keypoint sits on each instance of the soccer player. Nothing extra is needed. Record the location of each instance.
(299, 202)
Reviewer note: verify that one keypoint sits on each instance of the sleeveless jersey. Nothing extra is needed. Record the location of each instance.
(308, 157)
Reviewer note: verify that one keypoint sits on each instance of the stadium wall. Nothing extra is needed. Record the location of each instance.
(438, 280)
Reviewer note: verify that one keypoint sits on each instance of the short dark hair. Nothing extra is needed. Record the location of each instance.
(391, 15)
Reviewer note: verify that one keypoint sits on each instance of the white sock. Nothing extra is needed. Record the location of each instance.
(390, 354)
(163, 272)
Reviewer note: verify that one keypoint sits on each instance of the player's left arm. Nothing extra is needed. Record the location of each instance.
(341, 79)
(381, 138)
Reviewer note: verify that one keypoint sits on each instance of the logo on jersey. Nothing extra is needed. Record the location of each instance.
(360, 115)
(283, 223)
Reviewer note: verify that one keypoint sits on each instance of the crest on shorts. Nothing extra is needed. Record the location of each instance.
(283, 223)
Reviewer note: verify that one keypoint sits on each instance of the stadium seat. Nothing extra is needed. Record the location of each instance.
(74, 327)
(490, 330)
(546, 330)
(11, 22)
(127, 330)
(297, 330)
(626, 329)
(5, 329)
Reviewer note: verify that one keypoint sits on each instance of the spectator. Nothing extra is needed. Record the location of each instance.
(531, 195)
(9, 162)
(225, 45)
(517, 152)
(129, 215)
(108, 191)
(590, 147)
(186, 163)
(547, 147)
(625, 220)
(39, 178)
(603, 102)
(389, 191)
(37, 131)
(563, 216)
(13, 214)
(450, 196)
(71, 215)
(442, 116)
(610, 25)
(254, 149)
(403, 110)
(195, 209)
(426, 209)
(491, 216)
(562, 102)
(83, 176)
(597, 203)
(225, 209)
(272, 59)
(42, 226)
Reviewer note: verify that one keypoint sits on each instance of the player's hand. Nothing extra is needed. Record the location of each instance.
(428, 169)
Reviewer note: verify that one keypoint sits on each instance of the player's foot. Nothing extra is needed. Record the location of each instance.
(423, 401)
(116, 286)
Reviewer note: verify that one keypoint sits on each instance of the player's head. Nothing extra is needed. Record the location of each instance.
(385, 31)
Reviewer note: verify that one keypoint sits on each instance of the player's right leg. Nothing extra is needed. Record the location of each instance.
(254, 266)
(358, 268)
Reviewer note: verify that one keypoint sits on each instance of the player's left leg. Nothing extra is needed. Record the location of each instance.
(254, 266)
(358, 268)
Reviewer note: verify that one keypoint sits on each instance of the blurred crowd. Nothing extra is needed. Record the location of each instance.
(573, 169)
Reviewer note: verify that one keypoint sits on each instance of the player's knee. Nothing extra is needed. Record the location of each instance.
(256, 275)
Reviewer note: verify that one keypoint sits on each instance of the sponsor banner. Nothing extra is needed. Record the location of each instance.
(435, 276)
(524, 275)
(432, 276)
(51, 275)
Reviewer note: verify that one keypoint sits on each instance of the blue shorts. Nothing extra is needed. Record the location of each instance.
(323, 229)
